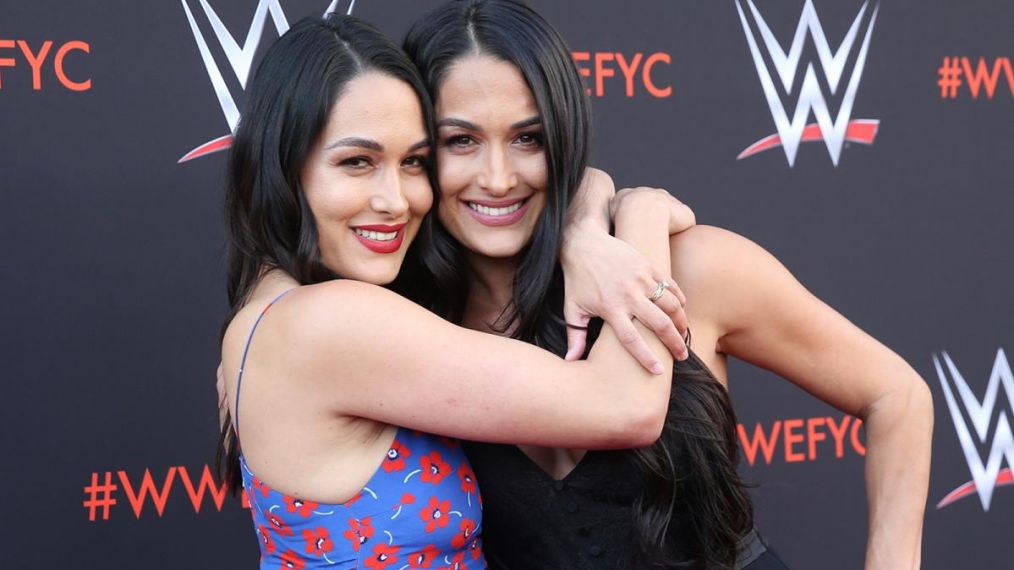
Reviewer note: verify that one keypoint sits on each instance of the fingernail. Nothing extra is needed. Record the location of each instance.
(657, 368)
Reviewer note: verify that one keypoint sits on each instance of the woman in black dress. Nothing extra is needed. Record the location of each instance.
(513, 123)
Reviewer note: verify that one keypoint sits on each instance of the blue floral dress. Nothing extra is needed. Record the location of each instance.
(420, 509)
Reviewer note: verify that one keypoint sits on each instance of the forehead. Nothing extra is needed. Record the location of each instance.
(484, 89)
(379, 107)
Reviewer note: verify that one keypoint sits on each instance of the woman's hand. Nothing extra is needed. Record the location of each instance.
(605, 277)
(681, 217)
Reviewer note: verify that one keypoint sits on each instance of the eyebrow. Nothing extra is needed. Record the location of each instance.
(372, 145)
(529, 122)
(452, 122)
(468, 125)
(356, 141)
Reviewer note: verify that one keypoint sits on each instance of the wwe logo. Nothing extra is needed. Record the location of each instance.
(986, 475)
(791, 131)
(240, 59)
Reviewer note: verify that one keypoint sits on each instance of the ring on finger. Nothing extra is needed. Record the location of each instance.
(659, 290)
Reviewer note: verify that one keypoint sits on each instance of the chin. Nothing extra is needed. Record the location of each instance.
(380, 273)
(498, 250)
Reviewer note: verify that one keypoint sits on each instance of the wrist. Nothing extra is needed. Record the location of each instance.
(584, 231)
(641, 208)
(638, 212)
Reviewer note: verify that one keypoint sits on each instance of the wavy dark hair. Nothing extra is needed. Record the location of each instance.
(268, 219)
(692, 467)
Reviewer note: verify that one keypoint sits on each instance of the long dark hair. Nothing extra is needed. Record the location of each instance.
(506, 31)
(692, 467)
(269, 222)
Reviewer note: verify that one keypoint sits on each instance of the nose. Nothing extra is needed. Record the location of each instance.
(388, 196)
(499, 177)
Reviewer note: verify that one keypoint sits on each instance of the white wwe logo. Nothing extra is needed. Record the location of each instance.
(791, 132)
(986, 475)
(240, 58)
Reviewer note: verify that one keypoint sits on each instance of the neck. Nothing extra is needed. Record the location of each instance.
(491, 284)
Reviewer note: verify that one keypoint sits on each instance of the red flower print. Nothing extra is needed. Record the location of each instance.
(355, 498)
(267, 545)
(434, 468)
(318, 540)
(383, 556)
(395, 460)
(292, 560)
(261, 487)
(279, 525)
(359, 532)
(449, 442)
(467, 478)
(304, 508)
(424, 557)
(435, 514)
(407, 499)
(467, 528)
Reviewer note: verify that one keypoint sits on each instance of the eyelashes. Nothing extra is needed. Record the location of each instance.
(531, 139)
(416, 161)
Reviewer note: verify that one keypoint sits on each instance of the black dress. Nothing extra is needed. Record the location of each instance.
(583, 521)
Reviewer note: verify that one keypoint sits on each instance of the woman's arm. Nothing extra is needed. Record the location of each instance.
(603, 275)
(764, 316)
(363, 351)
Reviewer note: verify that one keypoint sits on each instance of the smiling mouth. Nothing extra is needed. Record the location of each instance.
(495, 212)
(380, 238)
(375, 236)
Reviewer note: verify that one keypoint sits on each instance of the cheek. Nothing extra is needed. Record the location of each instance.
(419, 195)
(333, 202)
(453, 174)
(534, 171)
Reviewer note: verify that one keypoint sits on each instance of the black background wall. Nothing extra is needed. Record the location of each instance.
(113, 265)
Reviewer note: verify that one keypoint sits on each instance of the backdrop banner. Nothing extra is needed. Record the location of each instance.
(866, 143)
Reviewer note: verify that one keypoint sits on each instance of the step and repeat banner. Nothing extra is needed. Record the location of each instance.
(867, 144)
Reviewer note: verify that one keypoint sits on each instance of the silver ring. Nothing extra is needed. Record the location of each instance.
(659, 291)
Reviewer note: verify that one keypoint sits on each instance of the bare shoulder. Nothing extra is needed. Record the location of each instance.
(345, 306)
(308, 311)
(706, 256)
(726, 276)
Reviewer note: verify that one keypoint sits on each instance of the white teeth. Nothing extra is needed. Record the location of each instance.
(487, 211)
(376, 236)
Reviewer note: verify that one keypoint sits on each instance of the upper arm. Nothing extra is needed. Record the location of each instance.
(373, 354)
(766, 317)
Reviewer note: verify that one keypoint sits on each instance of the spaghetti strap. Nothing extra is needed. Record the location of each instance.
(246, 349)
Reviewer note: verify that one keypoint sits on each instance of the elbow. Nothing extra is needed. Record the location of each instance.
(923, 402)
(911, 403)
(641, 427)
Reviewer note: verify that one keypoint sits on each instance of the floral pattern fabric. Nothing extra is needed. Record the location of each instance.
(420, 509)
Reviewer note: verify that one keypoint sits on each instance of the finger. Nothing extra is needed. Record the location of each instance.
(678, 293)
(671, 306)
(653, 317)
(633, 343)
(577, 331)
(673, 288)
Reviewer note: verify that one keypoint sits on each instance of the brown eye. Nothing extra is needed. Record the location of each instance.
(356, 162)
(459, 141)
(530, 139)
(414, 162)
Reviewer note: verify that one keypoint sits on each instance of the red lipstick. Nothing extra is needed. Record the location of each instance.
(379, 245)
